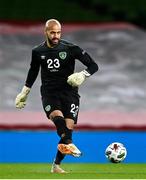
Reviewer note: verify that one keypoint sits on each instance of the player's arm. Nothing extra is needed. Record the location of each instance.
(76, 79)
(21, 98)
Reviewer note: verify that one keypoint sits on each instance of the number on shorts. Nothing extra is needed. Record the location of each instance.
(74, 109)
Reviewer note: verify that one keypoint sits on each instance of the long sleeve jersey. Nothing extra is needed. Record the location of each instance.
(57, 64)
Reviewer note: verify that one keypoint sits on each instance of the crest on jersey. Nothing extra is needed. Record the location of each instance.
(48, 108)
(62, 55)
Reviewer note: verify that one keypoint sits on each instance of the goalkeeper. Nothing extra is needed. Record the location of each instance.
(59, 90)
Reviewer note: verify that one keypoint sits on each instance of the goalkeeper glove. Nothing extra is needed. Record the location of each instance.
(20, 100)
(76, 79)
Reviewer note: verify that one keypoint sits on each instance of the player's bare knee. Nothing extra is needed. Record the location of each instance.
(55, 113)
(69, 123)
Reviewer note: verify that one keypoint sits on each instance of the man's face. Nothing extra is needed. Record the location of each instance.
(53, 34)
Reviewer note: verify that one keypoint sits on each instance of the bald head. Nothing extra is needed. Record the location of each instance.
(52, 22)
(52, 32)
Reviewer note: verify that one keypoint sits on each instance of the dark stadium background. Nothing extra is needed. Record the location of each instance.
(113, 100)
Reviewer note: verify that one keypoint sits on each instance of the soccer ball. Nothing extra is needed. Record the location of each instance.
(116, 152)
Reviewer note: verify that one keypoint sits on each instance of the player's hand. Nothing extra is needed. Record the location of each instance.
(21, 98)
(76, 79)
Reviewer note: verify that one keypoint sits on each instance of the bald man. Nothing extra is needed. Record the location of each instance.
(59, 89)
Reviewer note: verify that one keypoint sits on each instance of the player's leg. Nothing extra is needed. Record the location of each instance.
(59, 155)
(53, 111)
(69, 148)
(52, 108)
(70, 123)
(66, 137)
(65, 144)
(70, 110)
(57, 161)
(62, 130)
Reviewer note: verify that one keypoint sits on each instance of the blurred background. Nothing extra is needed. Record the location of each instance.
(112, 100)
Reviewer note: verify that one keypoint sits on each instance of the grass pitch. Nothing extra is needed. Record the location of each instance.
(76, 171)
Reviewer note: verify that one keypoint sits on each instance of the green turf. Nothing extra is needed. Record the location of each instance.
(76, 171)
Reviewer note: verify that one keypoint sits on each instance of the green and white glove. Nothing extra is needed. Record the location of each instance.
(21, 98)
(76, 79)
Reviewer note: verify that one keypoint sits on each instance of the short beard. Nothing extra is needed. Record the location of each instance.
(51, 43)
